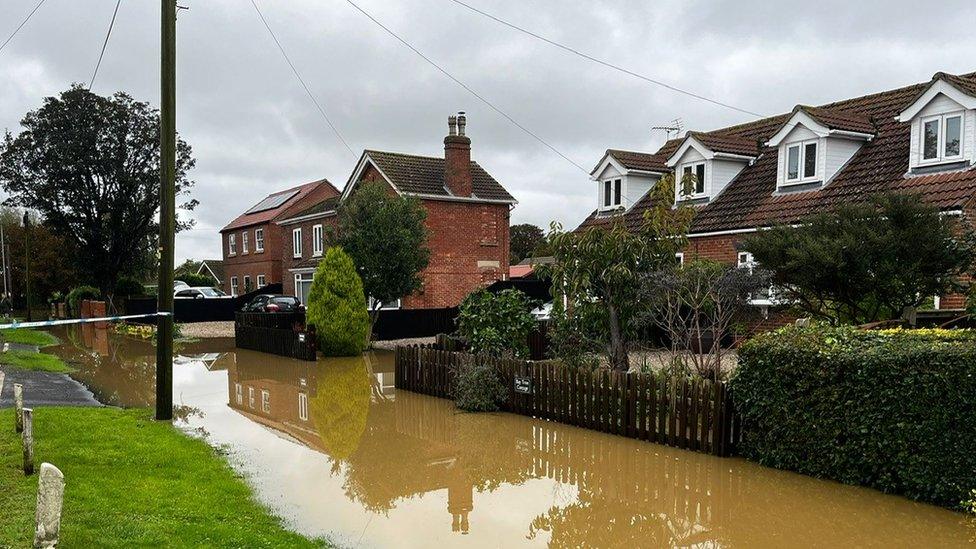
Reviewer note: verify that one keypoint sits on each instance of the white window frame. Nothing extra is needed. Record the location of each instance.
(941, 156)
(318, 241)
(299, 280)
(266, 401)
(250, 397)
(303, 406)
(680, 256)
(296, 243)
(233, 286)
(744, 260)
(370, 303)
(239, 394)
(262, 281)
(801, 176)
(232, 244)
(693, 166)
(616, 199)
(243, 242)
(258, 240)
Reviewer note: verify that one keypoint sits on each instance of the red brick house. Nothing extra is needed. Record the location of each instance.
(282, 238)
(252, 242)
(918, 139)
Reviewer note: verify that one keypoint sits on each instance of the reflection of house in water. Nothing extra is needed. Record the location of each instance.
(212, 361)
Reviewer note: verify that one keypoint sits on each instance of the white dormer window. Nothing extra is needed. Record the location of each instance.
(612, 193)
(696, 188)
(801, 162)
(942, 138)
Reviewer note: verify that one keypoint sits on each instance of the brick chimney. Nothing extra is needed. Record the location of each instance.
(457, 157)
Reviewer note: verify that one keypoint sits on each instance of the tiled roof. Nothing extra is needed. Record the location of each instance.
(837, 119)
(264, 216)
(731, 144)
(216, 267)
(327, 205)
(425, 175)
(636, 160)
(879, 166)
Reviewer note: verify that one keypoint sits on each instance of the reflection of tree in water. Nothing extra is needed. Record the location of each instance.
(123, 376)
(341, 406)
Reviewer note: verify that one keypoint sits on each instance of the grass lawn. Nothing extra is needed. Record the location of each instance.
(28, 336)
(27, 360)
(131, 482)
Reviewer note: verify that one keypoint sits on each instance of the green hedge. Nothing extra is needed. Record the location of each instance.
(894, 410)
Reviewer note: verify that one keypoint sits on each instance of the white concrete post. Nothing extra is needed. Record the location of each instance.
(18, 407)
(2, 375)
(28, 441)
(50, 494)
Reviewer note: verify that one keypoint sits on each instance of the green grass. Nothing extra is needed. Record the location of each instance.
(29, 360)
(28, 336)
(132, 482)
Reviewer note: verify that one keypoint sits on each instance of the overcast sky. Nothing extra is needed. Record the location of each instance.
(253, 130)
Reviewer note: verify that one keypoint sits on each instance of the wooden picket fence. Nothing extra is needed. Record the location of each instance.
(694, 414)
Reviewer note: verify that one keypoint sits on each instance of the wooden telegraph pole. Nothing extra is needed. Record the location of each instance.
(27, 263)
(167, 213)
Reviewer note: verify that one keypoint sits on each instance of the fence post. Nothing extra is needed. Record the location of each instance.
(2, 376)
(28, 440)
(47, 516)
(18, 408)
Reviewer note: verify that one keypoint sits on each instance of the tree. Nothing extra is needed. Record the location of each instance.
(90, 166)
(50, 270)
(524, 239)
(337, 306)
(598, 268)
(385, 236)
(496, 324)
(866, 262)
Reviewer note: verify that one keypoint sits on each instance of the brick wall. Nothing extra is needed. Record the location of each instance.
(253, 263)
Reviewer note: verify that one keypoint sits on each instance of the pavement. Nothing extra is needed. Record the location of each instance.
(44, 389)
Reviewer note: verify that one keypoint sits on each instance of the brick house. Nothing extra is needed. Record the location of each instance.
(252, 242)
(919, 139)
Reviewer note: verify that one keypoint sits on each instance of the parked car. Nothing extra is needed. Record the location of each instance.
(274, 303)
(198, 292)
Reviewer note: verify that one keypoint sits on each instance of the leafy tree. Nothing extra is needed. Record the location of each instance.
(598, 268)
(50, 269)
(90, 166)
(496, 324)
(524, 239)
(385, 236)
(866, 262)
(337, 306)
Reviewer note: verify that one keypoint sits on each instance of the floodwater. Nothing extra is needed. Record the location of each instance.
(334, 449)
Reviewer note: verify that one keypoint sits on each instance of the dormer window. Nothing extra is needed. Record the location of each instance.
(612, 193)
(942, 138)
(696, 186)
(801, 162)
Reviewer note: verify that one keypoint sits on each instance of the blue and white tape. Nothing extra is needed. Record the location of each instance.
(45, 323)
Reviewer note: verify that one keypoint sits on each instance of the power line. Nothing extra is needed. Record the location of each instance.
(105, 44)
(466, 87)
(21, 25)
(300, 80)
(602, 62)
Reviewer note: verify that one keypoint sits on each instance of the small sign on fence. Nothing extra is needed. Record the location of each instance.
(523, 385)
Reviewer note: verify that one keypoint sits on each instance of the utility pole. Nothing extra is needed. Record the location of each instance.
(167, 213)
(3, 262)
(27, 262)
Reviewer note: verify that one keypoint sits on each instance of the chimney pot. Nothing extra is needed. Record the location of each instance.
(457, 157)
(452, 125)
(462, 121)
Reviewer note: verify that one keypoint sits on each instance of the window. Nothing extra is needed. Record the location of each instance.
(801, 162)
(232, 244)
(244, 242)
(303, 284)
(233, 285)
(261, 281)
(250, 397)
(613, 193)
(258, 240)
(303, 406)
(317, 240)
(266, 401)
(942, 138)
(296, 242)
(697, 186)
(239, 393)
(247, 284)
(371, 303)
(745, 261)
(679, 258)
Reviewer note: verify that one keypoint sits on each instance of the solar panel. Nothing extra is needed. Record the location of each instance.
(272, 202)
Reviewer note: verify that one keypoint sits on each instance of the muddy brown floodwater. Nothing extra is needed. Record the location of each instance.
(333, 448)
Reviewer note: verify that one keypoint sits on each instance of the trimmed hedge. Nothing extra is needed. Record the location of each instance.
(892, 409)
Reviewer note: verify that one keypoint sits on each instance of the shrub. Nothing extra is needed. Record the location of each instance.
(891, 409)
(194, 280)
(496, 324)
(477, 386)
(337, 306)
(79, 294)
(128, 286)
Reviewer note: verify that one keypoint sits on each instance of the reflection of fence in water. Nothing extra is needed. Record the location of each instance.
(692, 491)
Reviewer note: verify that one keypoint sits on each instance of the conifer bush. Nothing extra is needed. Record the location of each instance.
(337, 306)
(889, 409)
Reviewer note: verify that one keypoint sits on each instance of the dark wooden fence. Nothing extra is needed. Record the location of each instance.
(413, 323)
(200, 310)
(676, 411)
(283, 334)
